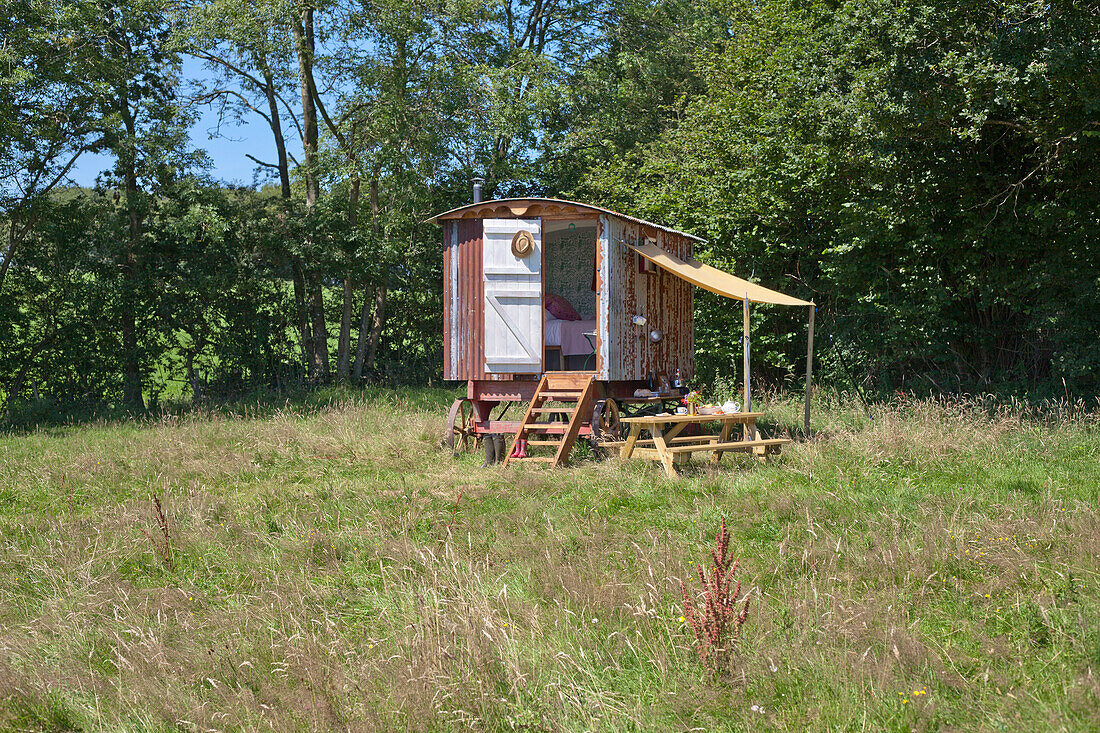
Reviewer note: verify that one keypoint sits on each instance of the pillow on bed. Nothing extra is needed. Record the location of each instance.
(560, 308)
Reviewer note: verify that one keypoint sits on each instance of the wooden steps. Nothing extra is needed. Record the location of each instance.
(576, 390)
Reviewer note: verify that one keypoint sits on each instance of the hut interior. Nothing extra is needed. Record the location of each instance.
(569, 293)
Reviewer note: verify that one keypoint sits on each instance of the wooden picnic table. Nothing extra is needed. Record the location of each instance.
(670, 448)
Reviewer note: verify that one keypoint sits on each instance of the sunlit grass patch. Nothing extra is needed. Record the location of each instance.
(334, 568)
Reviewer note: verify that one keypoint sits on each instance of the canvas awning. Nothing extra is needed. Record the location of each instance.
(713, 279)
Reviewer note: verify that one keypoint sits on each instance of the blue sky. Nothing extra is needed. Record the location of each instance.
(227, 152)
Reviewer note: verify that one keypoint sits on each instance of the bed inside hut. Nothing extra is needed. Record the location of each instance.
(569, 294)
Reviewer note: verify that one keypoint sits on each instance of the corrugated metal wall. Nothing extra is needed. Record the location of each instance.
(665, 300)
(463, 347)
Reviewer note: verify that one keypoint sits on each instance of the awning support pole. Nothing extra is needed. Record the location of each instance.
(748, 380)
(809, 369)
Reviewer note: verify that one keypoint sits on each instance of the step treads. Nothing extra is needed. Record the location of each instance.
(548, 427)
(534, 431)
(576, 380)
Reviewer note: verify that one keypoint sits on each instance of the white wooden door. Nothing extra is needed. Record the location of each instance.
(513, 298)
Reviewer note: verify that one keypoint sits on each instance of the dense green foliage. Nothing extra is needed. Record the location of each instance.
(926, 171)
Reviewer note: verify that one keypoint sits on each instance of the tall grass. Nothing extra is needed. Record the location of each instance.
(921, 564)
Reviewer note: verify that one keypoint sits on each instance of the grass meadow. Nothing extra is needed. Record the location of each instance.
(919, 565)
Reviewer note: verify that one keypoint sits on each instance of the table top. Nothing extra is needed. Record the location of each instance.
(726, 416)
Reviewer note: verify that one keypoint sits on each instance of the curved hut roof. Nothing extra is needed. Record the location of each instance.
(506, 208)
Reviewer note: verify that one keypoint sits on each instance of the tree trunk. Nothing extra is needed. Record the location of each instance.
(344, 347)
(302, 27)
(376, 325)
(304, 332)
(13, 243)
(311, 107)
(193, 379)
(132, 396)
(277, 133)
(16, 386)
(363, 350)
(131, 387)
(298, 274)
(364, 329)
(344, 344)
(320, 328)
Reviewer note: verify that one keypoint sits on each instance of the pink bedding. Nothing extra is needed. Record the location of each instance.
(573, 341)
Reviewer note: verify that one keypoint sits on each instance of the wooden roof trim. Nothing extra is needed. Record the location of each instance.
(516, 207)
(527, 207)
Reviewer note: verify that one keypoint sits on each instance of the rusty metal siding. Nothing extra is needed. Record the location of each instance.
(449, 253)
(476, 323)
(678, 346)
(463, 351)
(665, 300)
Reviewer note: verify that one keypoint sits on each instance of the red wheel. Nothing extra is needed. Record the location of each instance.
(461, 431)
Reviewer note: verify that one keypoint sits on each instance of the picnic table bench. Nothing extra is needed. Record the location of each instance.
(670, 448)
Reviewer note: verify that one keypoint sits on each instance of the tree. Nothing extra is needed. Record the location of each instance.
(48, 114)
(247, 46)
(922, 168)
(391, 129)
(142, 127)
(633, 88)
(51, 308)
(522, 56)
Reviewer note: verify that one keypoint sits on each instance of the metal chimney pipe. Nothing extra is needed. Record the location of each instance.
(477, 189)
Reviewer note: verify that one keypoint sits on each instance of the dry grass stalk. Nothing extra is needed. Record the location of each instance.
(717, 624)
(447, 531)
(163, 548)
